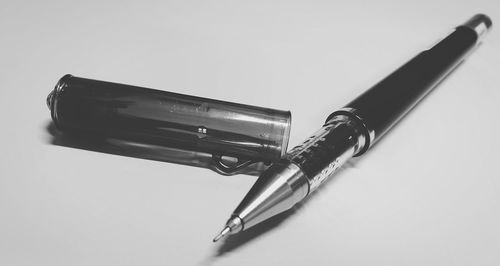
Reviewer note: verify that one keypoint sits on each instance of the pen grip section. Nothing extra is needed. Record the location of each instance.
(327, 150)
(383, 105)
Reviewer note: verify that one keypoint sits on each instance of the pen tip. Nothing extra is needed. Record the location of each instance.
(223, 233)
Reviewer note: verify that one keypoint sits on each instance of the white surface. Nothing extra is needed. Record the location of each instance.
(428, 194)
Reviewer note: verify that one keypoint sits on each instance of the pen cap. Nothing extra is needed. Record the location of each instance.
(235, 135)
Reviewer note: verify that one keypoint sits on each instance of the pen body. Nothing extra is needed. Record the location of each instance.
(383, 105)
(352, 130)
(378, 109)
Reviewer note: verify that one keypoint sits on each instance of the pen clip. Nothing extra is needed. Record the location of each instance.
(227, 168)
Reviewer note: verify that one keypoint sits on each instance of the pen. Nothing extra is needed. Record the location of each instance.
(352, 130)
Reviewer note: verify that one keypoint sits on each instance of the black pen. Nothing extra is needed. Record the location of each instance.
(352, 130)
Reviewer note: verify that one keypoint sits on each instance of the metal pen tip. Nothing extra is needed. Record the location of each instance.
(222, 234)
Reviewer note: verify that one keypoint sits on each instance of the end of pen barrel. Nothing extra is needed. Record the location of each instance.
(50, 99)
(61, 84)
(480, 23)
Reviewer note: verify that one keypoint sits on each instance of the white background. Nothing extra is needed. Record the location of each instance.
(427, 194)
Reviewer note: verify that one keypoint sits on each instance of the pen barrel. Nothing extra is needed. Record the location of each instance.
(383, 105)
(351, 131)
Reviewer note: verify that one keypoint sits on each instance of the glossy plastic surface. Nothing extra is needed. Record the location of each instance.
(387, 102)
(160, 118)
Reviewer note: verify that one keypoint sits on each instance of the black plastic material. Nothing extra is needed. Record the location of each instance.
(387, 102)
